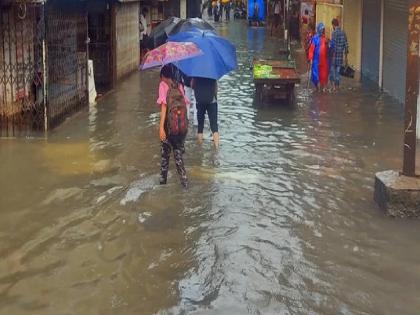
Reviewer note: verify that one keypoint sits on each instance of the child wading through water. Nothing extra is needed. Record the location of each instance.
(173, 124)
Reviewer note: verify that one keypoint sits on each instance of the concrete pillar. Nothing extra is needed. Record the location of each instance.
(412, 89)
(399, 193)
(381, 47)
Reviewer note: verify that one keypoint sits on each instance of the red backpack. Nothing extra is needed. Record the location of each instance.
(176, 117)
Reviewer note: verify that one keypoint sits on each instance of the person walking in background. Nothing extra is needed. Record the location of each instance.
(256, 16)
(294, 25)
(276, 16)
(206, 96)
(227, 10)
(210, 8)
(318, 56)
(173, 125)
(310, 33)
(339, 48)
(216, 11)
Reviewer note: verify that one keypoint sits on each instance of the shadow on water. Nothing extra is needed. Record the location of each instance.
(279, 221)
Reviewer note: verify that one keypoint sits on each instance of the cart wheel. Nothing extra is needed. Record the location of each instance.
(259, 93)
(291, 95)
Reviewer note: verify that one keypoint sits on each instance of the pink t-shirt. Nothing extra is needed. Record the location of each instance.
(163, 93)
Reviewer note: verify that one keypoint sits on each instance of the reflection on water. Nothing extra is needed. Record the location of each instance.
(279, 221)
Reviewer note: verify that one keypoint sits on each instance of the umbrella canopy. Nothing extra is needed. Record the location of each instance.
(218, 59)
(159, 34)
(169, 53)
(191, 24)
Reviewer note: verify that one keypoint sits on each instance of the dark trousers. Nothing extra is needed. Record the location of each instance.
(177, 145)
(211, 110)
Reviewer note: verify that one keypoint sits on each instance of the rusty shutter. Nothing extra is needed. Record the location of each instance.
(395, 47)
(371, 39)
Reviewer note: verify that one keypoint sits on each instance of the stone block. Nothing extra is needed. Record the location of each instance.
(398, 195)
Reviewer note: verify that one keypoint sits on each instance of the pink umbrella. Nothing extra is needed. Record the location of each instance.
(168, 53)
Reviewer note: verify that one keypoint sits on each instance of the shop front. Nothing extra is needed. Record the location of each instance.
(100, 20)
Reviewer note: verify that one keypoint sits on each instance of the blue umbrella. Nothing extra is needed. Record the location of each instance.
(218, 59)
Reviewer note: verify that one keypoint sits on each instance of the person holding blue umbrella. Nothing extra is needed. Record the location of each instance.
(205, 90)
(218, 59)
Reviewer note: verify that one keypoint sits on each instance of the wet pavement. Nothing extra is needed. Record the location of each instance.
(279, 221)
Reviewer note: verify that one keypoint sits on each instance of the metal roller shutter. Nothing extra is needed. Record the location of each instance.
(395, 47)
(371, 39)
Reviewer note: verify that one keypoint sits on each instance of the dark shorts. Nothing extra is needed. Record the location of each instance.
(277, 20)
(211, 110)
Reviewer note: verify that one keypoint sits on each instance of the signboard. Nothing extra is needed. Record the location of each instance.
(307, 12)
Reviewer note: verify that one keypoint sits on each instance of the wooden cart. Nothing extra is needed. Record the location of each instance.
(278, 82)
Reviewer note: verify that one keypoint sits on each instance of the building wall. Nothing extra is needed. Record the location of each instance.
(325, 12)
(418, 113)
(352, 24)
(183, 9)
(126, 39)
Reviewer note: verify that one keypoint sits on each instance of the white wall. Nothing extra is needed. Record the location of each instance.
(183, 9)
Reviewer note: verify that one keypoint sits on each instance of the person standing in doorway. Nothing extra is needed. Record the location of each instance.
(276, 16)
(143, 28)
(206, 97)
(339, 49)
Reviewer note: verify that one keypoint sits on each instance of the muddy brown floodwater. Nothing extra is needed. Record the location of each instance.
(279, 221)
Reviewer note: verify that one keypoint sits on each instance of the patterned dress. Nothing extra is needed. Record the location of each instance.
(318, 54)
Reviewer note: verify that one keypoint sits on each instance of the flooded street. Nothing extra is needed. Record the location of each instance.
(280, 221)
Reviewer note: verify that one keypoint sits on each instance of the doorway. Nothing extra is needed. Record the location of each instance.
(100, 46)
